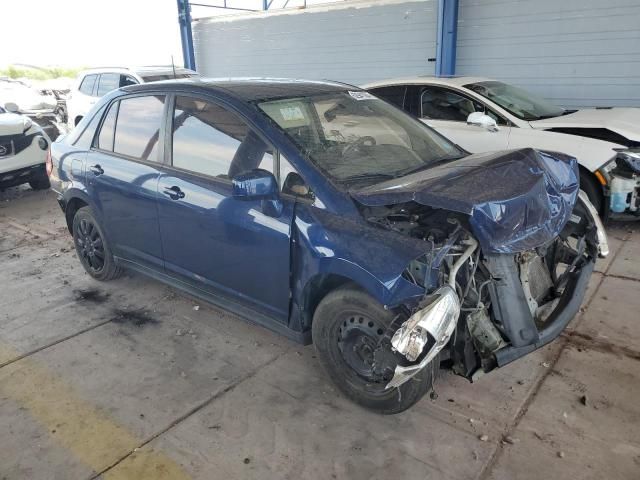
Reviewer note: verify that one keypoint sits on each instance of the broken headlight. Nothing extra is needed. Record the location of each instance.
(436, 321)
(629, 160)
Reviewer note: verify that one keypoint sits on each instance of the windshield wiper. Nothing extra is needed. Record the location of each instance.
(431, 164)
(368, 176)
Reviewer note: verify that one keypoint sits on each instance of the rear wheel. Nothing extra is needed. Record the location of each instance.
(347, 326)
(92, 247)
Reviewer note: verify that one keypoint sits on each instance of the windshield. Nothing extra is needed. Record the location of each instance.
(355, 137)
(517, 101)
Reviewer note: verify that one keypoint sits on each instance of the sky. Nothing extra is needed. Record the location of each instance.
(94, 33)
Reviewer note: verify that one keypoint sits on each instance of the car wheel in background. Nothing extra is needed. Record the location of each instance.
(593, 190)
(40, 183)
(92, 246)
(347, 325)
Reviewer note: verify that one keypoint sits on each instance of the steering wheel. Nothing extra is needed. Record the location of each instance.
(367, 141)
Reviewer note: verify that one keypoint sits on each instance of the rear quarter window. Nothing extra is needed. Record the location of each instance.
(87, 84)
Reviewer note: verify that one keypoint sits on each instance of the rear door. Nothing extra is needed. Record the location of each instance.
(122, 173)
(83, 99)
(209, 238)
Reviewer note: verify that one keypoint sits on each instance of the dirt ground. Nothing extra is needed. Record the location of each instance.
(131, 379)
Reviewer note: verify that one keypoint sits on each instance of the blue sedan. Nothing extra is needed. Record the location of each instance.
(326, 214)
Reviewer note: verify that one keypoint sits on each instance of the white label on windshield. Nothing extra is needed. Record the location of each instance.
(361, 95)
(291, 113)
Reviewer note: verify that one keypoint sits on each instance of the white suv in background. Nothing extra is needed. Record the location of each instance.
(96, 82)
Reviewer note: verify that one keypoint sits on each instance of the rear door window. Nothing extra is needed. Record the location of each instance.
(138, 124)
(87, 84)
(108, 82)
(211, 140)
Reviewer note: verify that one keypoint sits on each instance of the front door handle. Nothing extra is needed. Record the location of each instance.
(97, 170)
(174, 193)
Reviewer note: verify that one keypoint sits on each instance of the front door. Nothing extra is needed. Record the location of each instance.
(122, 170)
(209, 238)
(446, 111)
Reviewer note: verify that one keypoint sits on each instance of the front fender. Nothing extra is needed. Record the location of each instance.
(375, 259)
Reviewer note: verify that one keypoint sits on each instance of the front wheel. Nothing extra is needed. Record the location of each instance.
(92, 247)
(347, 326)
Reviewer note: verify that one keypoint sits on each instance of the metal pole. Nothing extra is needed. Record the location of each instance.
(186, 36)
(447, 37)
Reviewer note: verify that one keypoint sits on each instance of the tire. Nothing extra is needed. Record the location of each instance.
(593, 190)
(92, 247)
(353, 311)
(40, 183)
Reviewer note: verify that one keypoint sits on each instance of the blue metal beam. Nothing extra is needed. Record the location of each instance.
(186, 37)
(447, 37)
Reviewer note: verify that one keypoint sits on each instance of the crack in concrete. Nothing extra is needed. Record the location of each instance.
(563, 341)
(191, 412)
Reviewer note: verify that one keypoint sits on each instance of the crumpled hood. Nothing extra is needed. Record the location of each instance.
(623, 121)
(517, 200)
(11, 124)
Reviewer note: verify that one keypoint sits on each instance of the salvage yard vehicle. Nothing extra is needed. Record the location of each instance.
(39, 105)
(96, 82)
(326, 214)
(23, 150)
(484, 115)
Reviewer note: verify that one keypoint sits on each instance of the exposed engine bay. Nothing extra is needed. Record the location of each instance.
(482, 310)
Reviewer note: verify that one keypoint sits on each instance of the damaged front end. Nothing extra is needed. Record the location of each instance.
(620, 179)
(488, 304)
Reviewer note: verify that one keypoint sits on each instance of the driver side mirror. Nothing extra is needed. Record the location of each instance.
(11, 107)
(483, 120)
(259, 184)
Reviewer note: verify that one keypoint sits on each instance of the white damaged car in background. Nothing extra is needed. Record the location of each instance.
(24, 147)
(483, 115)
(41, 105)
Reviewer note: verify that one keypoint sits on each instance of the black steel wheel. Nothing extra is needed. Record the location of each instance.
(347, 326)
(92, 247)
(357, 340)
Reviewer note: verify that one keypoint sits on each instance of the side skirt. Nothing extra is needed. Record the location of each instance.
(247, 313)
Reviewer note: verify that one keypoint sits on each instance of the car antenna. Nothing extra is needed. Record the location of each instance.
(173, 66)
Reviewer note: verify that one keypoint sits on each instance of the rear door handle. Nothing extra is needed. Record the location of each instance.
(174, 193)
(97, 170)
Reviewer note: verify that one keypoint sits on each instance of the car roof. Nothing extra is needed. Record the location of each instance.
(250, 89)
(425, 79)
(141, 70)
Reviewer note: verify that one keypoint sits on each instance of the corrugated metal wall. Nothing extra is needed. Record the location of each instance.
(574, 52)
(355, 43)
